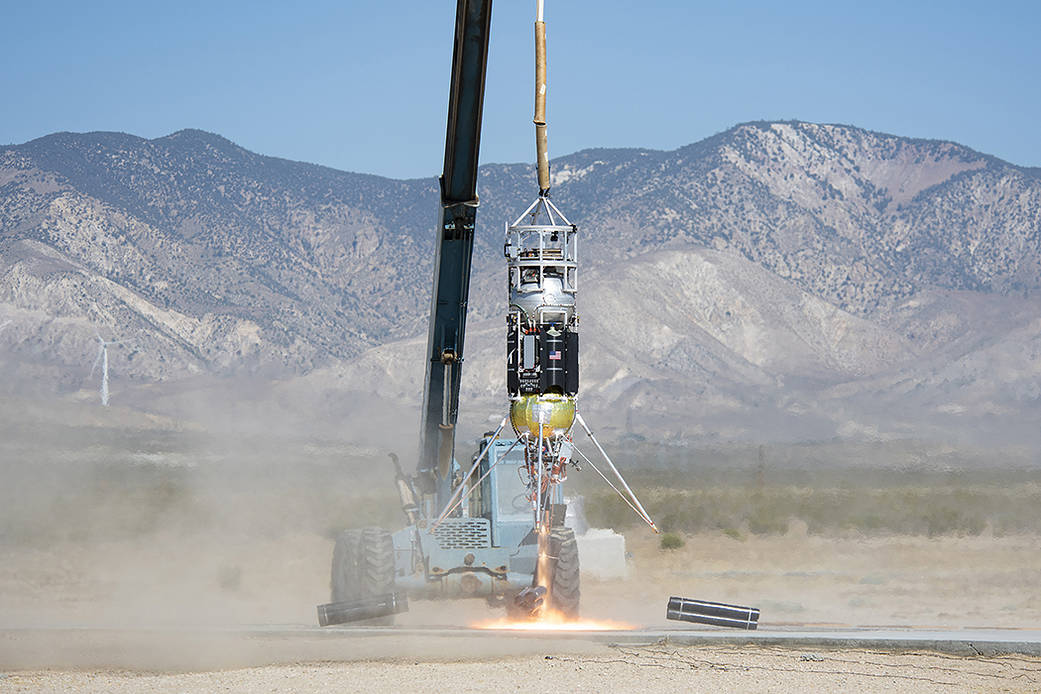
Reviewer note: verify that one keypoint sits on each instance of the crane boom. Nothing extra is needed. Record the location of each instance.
(454, 248)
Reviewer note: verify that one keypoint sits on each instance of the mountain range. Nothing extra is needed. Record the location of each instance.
(779, 280)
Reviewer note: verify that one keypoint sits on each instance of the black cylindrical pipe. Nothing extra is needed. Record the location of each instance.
(365, 608)
(715, 613)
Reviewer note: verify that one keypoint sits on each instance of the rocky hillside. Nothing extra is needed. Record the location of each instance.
(788, 279)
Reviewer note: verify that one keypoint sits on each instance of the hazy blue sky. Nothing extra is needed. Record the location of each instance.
(364, 86)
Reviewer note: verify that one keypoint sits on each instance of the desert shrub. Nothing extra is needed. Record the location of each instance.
(912, 507)
(671, 541)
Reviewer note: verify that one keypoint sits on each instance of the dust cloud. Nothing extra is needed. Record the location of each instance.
(215, 505)
(217, 508)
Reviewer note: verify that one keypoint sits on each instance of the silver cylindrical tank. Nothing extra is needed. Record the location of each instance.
(542, 321)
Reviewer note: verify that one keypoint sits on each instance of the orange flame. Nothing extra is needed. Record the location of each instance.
(552, 621)
(549, 619)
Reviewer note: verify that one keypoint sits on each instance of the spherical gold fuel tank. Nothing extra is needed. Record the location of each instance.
(557, 413)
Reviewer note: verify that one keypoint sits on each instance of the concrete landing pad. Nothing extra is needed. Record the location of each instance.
(194, 648)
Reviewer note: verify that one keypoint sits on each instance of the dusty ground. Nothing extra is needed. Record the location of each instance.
(650, 670)
(949, 581)
(158, 575)
(171, 580)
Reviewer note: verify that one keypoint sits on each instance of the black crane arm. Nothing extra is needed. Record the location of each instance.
(455, 237)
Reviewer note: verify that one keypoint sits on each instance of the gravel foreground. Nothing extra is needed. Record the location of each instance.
(647, 670)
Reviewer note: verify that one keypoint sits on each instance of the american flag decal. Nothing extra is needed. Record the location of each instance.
(555, 354)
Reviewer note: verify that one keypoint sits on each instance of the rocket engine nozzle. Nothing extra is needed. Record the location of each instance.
(530, 600)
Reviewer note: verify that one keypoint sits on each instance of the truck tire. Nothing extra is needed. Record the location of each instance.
(564, 590)
(363, 566)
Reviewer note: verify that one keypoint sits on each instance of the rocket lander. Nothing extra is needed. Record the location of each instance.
(541, 250)
(542, 377)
